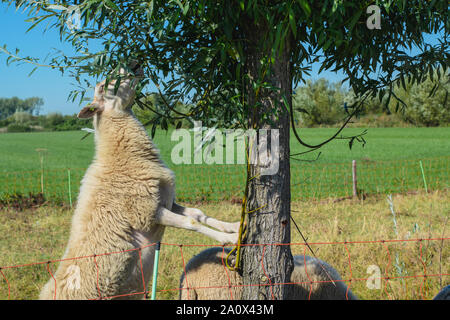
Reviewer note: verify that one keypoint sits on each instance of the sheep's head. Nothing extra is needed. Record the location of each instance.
(109, 99)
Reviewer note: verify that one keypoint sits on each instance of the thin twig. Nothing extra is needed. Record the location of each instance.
(313, 253)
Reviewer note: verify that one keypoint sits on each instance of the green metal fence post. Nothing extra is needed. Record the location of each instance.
(155, 270)
(423, 176)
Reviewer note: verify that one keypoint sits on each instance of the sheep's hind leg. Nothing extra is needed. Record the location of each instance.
(198, 215)
(168, 218)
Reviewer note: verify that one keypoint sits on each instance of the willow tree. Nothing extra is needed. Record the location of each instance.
(235, 62)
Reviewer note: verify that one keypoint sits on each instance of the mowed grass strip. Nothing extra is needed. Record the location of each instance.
(41, 235)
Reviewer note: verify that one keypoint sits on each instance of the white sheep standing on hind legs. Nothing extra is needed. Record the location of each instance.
(126, 199)
(207, 278)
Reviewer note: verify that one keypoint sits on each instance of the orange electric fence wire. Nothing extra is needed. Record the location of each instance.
(350, 280)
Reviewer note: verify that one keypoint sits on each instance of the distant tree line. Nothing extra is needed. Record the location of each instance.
(22, 121)
(9, 106)
(323, 103)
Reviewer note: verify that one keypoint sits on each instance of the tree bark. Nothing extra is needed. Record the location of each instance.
(265, 262)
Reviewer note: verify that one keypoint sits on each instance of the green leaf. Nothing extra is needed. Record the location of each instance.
(350, 142)
(276, 44)
(325, 6)
(55, 7)
(164, 124)
(186, 8)
(301, 110)
(38, 20)
(354, 20)
(327, 44)
(305, 6)
(286, 104)
(112, 5)
(433, 90)
(153, 130)
(32, 19)
(335, 6)
(32, 71)
(292, 22)
(150, 9)
(402, 79)
(183, 8)
(430, 72)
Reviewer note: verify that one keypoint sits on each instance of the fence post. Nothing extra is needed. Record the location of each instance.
(70, 188)
(41, 152)
(155, 270)
(355, 180)
(423, 176)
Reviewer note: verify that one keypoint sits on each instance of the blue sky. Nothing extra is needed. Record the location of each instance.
(49, 84)
(44, 82)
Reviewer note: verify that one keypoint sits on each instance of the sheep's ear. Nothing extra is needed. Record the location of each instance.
(89, 111)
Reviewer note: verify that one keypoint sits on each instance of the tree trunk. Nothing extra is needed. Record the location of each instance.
(268, 205)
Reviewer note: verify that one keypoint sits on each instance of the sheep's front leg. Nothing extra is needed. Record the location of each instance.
(168, 218)
(198, 215)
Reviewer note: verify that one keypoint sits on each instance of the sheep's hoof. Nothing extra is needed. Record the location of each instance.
(232, 238)
(233, 227)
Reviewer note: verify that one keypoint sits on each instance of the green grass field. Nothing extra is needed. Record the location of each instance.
(387, 163)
